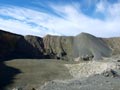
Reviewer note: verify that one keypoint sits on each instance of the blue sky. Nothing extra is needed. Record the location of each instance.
(61, 17)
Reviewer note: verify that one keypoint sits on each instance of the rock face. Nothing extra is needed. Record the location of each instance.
(8, 42)
(83, 46)
(17, 46)
(114, 44)
(59, 47)
(30, 47)
(49, 47)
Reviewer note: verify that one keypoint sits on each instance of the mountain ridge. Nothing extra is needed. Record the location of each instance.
(54, 47)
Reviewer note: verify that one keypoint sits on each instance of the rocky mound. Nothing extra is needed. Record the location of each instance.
(88, 46)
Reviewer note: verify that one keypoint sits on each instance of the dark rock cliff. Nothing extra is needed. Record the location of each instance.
(17, 46)
(8, 42)
(30, 47)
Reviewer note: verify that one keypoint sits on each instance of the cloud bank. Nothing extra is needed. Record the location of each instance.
(70, 20)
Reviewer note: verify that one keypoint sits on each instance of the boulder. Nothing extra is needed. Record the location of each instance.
(110, 73)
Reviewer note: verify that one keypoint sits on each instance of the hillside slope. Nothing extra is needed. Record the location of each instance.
(57, 47)
(114, 44)
(86, 45)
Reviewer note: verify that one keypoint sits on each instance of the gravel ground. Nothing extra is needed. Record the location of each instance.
(35, 73)
(97, 82)
(61, 75)
(103, 75)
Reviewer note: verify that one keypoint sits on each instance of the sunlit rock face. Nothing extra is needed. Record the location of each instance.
(87, 46)
(60, 47)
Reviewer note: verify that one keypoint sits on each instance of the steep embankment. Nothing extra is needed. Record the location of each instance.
(86, 45)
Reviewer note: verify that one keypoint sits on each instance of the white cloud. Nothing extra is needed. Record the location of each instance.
(114, 11)
(101, 7)
(73, 23)
(20, 27)
(23, 18)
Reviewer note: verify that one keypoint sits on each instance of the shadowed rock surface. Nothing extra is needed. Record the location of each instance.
(30, 47)
(8, 42)
(84, 45)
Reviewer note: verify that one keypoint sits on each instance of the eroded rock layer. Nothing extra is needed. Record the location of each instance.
(84, 46)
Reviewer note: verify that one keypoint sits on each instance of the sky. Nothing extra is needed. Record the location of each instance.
(61, 17)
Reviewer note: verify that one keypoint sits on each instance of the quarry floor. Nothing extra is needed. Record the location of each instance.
(63, 75)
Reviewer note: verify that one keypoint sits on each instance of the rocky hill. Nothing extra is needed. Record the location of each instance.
(89, 46)
(83, 46)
